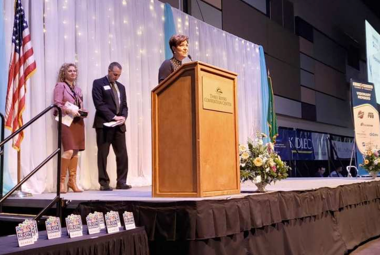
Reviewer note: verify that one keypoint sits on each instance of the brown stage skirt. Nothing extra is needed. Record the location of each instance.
(73, 136)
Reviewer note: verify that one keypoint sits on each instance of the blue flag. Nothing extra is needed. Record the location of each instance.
(169, 29)
(264, 95)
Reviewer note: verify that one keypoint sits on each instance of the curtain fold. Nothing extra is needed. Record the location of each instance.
(93, 33)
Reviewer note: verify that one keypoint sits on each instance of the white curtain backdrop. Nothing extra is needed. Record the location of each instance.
(93, 33)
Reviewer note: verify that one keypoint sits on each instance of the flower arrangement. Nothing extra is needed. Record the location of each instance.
(371, 161)
(260, 163)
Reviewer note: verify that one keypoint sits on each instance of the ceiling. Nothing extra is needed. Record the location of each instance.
(374, 6)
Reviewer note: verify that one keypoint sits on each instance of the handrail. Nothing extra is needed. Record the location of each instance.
(29, 175)
(58, 152)
(2, 159)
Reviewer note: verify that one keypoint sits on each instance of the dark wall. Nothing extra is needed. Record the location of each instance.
(173, 3)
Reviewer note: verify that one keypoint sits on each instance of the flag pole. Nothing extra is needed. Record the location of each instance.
(19, 192)
(19, 166)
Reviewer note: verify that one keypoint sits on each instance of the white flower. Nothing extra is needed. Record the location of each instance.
(260, 142)
(376, 162)
(270, 146)
(267, 169)
(258, 179)
(271, 162)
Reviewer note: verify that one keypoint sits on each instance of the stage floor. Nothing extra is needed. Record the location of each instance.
(144, 194)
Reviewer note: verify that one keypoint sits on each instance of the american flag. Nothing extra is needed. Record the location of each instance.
(21, 67)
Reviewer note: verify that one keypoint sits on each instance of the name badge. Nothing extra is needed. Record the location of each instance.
(107, 87)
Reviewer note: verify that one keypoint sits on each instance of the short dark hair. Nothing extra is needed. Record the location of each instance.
(113, 64)
(176, 40)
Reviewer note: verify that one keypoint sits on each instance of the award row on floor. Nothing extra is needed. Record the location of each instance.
(27, 231)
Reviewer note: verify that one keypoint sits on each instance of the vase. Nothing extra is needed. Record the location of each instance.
(261, 186)
(373, 174)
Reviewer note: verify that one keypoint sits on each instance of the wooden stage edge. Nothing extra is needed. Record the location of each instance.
(144, 194)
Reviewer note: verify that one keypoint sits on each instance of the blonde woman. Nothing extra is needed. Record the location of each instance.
(73, 138)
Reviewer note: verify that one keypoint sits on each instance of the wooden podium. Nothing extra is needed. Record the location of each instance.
(195, 133)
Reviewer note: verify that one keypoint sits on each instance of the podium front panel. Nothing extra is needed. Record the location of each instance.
(176, 133)
(217, 133)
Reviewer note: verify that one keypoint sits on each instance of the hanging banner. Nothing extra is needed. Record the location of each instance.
(282, 146)
(366, 120)
(302, 146)
(366, 116)
(294, 144)
(343, 149)
(320, 144)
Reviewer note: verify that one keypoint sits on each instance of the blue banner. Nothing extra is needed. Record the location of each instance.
(294, 144)
(366, 119)
(282, 145)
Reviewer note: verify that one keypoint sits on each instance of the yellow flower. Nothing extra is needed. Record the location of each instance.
(258, 162)
(369, 152)
(366, 162)
(245, 155)
(242, 148)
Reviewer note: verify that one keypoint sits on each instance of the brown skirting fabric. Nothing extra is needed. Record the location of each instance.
(322, 221)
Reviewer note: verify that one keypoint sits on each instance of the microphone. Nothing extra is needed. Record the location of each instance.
(189, 56)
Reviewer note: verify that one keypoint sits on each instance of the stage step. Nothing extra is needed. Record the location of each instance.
(15, 217)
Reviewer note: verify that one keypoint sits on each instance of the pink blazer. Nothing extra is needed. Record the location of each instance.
(63, 93)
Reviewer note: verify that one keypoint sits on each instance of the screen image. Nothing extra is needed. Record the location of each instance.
(373, 57)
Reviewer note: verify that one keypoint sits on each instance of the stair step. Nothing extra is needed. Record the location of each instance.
(15, 217)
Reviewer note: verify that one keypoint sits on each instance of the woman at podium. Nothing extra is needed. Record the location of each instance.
(179, 45)
(68, 96)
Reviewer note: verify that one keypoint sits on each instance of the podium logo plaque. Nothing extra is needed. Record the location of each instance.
(217, 95)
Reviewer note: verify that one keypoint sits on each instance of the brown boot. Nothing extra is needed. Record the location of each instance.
(72, 183)
(64, 165)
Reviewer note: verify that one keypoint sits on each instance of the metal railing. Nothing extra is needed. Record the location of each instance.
(57, 200)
